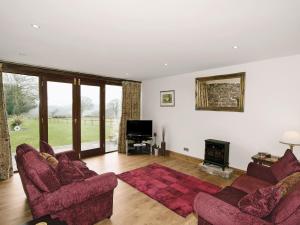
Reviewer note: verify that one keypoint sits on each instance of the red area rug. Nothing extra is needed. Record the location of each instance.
(171, 188)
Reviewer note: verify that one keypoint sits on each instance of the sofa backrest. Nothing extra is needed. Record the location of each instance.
(36, 174)
(288, 209)
(31, 191)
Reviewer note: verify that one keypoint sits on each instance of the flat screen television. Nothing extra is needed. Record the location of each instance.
(139, 128)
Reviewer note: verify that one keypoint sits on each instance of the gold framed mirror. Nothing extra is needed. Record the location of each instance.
(221, 92)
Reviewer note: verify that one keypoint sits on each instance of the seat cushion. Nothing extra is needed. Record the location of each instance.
(249, 184)
(40, 172)
(230, 195)
(285, 166)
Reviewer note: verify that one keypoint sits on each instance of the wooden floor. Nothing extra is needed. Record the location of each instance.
(131, 207)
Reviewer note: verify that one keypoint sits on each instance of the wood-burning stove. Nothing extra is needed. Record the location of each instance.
(217, 153)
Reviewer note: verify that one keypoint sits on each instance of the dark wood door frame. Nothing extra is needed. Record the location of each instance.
(105, 109)
(44, 108)
(56, 75)
(101, 149)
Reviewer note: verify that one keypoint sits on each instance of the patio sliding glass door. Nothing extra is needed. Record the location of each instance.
(75, 115)
(68, 113)
(91, 118)
(60, 114)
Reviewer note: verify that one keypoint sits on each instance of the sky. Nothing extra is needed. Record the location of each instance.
(60, 94)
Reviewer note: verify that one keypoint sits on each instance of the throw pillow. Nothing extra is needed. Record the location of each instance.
(50, 159)
(45, 147)
(285, 166)
(287, 184)
(261, 202)
(67, 172)
(84, 169)
(39, 172)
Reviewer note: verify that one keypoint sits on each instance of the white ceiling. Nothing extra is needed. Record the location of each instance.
(113, 38)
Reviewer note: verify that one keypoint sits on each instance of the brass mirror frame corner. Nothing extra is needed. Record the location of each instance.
(240, 108)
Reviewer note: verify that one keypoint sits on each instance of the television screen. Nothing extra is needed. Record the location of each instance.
(139, 128)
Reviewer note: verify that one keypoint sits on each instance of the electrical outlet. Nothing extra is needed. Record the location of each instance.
(186, 149)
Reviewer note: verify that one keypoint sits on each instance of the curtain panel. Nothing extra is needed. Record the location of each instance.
(131, 109)
(6, 170)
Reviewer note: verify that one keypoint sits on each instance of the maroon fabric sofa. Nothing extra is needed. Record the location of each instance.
(222, 207)
(79, 203)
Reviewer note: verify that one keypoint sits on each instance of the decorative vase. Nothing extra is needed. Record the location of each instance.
(163, 148)
(163, 143)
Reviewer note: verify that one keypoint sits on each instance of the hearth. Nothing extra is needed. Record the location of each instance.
(217, 153)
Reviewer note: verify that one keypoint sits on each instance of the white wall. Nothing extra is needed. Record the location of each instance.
(272, 106)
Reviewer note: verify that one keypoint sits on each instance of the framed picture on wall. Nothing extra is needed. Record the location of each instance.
(167, 98)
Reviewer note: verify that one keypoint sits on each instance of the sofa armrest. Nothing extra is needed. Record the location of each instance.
(72, 155)
(218, 212)
(78, 192)
(261, 172)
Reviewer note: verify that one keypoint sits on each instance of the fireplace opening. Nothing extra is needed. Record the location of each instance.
(217, 153)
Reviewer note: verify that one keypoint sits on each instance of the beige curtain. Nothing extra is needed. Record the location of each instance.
(6, 169)
(131, 106)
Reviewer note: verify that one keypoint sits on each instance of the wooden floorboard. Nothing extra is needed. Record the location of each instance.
(131, 207)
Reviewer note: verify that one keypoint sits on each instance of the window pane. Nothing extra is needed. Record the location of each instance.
(22, 106)
(113, 109)
(90, 117)
(60, 134)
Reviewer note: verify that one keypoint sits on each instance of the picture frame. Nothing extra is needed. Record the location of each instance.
(167, 98)
(220, 92)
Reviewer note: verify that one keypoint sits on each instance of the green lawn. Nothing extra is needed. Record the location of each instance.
(59, 132)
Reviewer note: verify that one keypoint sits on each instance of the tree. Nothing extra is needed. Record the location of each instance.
(53, 112)
(21, 93)
(113, 109)
(86, 104)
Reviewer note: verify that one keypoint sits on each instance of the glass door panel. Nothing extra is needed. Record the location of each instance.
(22, 107)
(90, 117)
(60, 125)
(113, 110)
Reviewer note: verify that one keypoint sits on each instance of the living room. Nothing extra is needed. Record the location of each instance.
(139, 112)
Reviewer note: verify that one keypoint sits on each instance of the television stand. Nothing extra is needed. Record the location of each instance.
(138, 146)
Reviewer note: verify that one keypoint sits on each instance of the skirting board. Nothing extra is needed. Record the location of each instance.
(194, 159)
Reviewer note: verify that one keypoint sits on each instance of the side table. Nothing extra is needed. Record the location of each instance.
(264, 160)
(47, 221)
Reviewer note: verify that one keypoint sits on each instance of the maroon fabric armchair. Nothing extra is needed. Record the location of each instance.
(222, 207)
(79, 203)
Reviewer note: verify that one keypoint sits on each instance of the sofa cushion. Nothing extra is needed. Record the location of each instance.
(52, 161)
(249, 184)
(45, 147)
(261, 202)
(84, 169)
(285, 166)
(67, 172)
(287, 206)
(261, 172)
(39, 172)
(288, 183)
(230, 195)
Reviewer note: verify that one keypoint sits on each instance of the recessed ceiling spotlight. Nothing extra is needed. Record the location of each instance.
(35, 26)
(166, 64)
(127, 73)
(235, 47)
